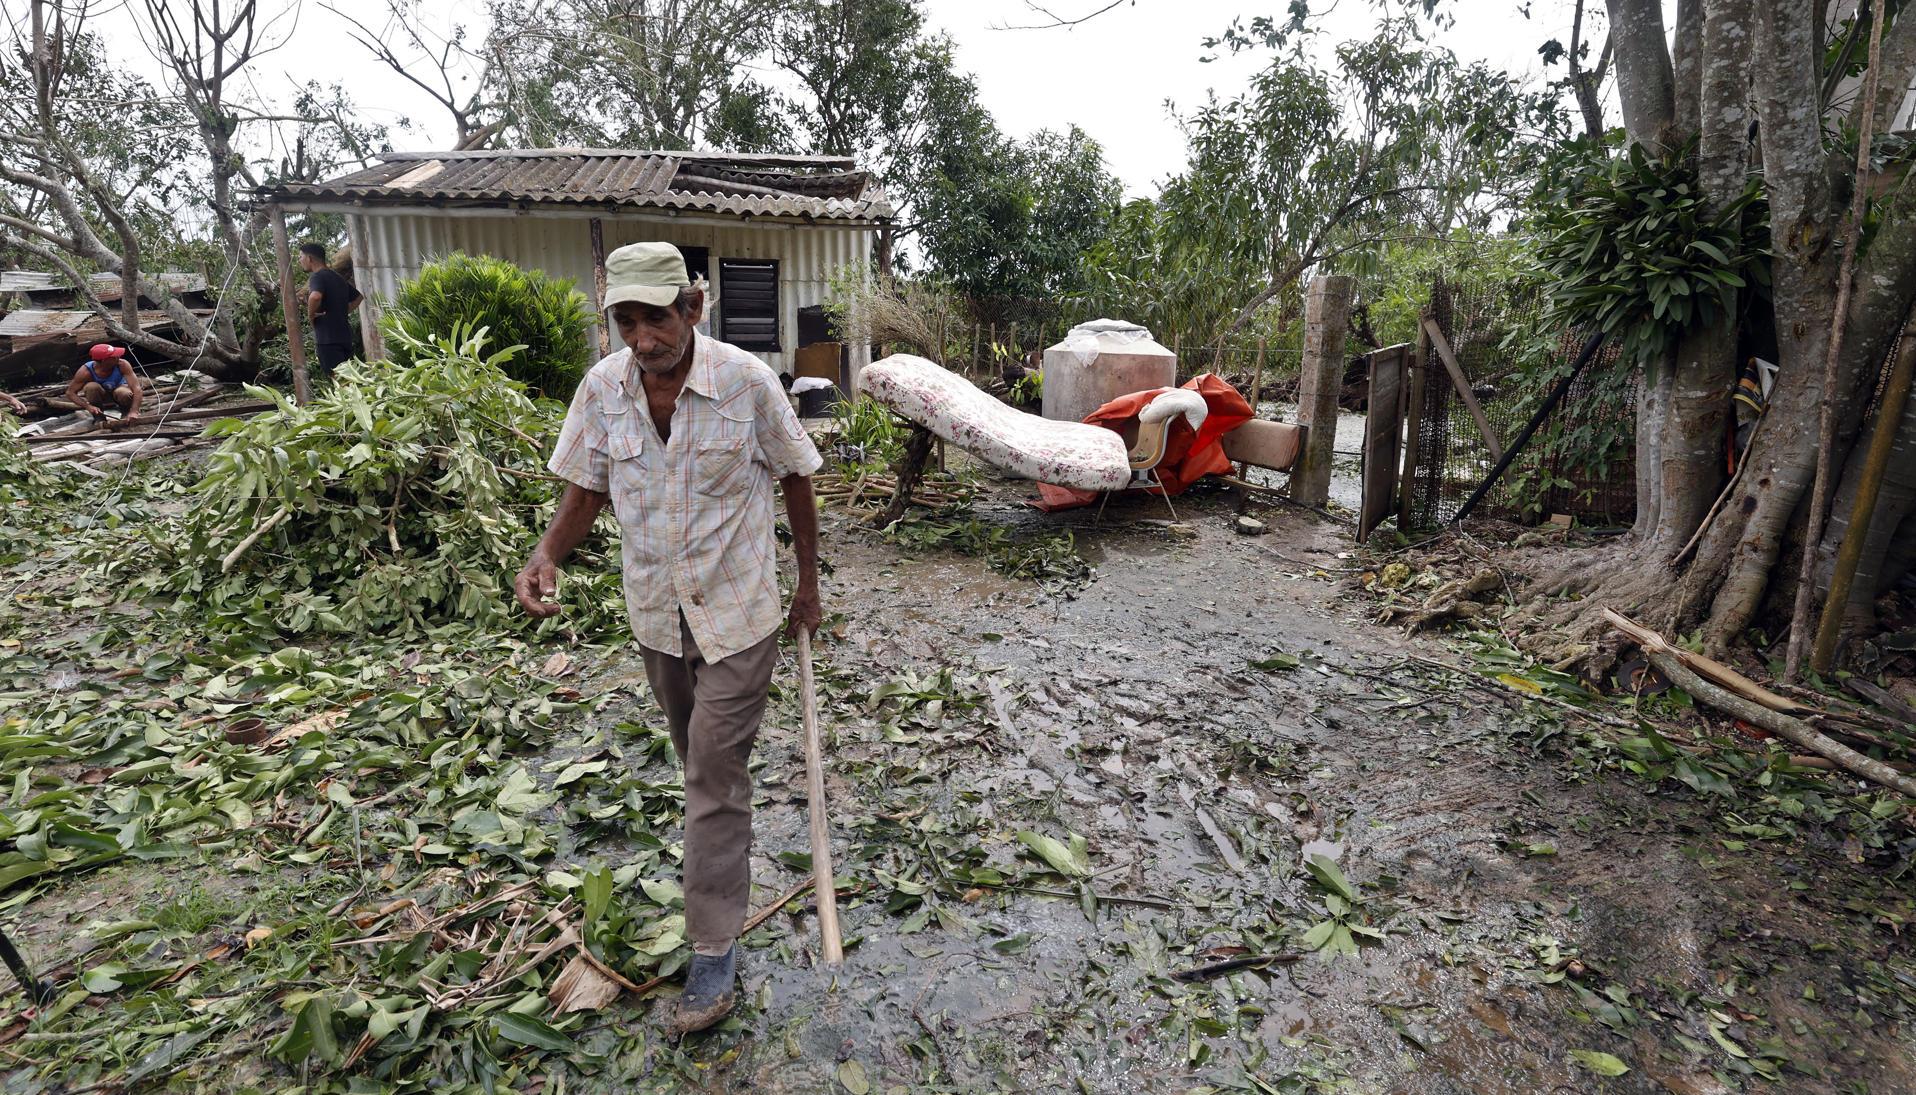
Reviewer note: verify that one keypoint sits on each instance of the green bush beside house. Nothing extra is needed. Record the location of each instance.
(546, 315)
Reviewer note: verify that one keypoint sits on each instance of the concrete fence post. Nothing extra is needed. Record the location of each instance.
(1327, 311)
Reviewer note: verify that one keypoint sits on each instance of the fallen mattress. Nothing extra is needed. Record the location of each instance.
(1071, 454)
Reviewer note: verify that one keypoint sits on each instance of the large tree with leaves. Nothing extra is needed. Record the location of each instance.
(1007, 222)
(632, 73)
(1751, 100)
(1319, 165)
(161, 172)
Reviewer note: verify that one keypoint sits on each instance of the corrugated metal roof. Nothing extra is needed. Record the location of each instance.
(813, 187)
(34, 321)
(35, 281)
(79, 324)
(20, 281)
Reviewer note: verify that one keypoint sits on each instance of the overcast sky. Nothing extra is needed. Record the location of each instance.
(1111, 76)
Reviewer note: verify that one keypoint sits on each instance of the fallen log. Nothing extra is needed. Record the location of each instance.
(1735, 697)
(159, 418)
(90, 450)
(105, 436)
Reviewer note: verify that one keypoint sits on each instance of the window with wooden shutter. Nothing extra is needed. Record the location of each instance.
(748, 303)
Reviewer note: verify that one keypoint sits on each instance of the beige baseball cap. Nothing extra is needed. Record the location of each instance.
(649, 273)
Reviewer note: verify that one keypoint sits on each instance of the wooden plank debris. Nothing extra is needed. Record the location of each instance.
(1462, 383)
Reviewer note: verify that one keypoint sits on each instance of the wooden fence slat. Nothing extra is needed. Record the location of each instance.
(1442, 345)
(1383, 429)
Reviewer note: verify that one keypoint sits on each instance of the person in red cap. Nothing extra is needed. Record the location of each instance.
(104, 379)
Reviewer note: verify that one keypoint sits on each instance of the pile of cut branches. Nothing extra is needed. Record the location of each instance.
(403, 495)
(18, 472)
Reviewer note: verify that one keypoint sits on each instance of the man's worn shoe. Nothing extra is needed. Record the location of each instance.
(708, 995)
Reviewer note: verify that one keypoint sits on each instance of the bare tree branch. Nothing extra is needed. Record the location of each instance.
(1058, 21)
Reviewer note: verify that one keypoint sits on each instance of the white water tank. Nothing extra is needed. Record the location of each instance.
(1100, 361)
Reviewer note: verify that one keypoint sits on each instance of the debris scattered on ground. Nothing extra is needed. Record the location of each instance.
(444, 858)
(1050, 559)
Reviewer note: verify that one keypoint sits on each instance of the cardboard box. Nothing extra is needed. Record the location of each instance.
(820, 359)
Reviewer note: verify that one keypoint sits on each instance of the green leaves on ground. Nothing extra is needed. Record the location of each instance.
(311, 1035)
(1326, 875)
(1603, 1064)
(528, 1031)
(1348, 917)
(851, 1076)
(1052, 560)
(1072, 860)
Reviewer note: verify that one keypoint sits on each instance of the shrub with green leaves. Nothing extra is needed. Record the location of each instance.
(546, 316)
(403, 496)
(1632, 246)
(866, 436)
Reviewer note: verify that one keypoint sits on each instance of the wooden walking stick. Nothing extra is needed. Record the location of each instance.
(824, 887)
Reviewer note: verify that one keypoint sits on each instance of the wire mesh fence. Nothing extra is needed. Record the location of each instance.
(1581, 463)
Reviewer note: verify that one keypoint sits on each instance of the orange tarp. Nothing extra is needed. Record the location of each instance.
(1189, 455)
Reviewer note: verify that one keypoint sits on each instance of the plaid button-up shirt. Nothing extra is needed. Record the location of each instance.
(695, 513)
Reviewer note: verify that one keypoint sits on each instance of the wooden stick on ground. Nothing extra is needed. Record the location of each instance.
(829, 943)
(1678, 665)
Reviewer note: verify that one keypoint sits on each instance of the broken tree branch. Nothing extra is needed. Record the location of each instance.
(1678, 665)
(252, 538)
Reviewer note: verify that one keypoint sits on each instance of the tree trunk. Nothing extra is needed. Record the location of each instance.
(1645, 83)
(1724, 49)
(1732, 567)
(1711, 92)
(1654, 396)
(1894, 502)
(1688, 52)
(1691, 441)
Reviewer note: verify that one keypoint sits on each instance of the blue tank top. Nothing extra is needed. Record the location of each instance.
(111, 381)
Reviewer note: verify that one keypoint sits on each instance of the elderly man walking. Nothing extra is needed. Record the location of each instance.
(685, 436)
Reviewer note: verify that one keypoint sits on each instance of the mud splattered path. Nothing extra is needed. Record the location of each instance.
(1206, 716)
(1526, 911)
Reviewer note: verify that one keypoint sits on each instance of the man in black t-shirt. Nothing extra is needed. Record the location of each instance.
(329, 299)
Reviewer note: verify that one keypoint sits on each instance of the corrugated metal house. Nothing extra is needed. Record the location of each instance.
(768, 231)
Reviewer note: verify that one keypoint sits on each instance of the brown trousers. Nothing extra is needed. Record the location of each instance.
(713, 709)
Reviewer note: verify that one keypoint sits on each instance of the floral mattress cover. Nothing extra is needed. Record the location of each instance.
(1070, 454)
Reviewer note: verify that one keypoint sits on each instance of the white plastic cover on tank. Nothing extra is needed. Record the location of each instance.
(1100, 361)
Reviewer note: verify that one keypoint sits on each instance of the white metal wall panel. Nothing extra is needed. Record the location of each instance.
(809, 256)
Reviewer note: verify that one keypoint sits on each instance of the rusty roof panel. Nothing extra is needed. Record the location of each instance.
(21, 281)
(33, 281)
(828, 188)
(35, 324)
(35, 321)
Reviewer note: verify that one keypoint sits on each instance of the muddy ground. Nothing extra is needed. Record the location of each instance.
(1529, 904)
